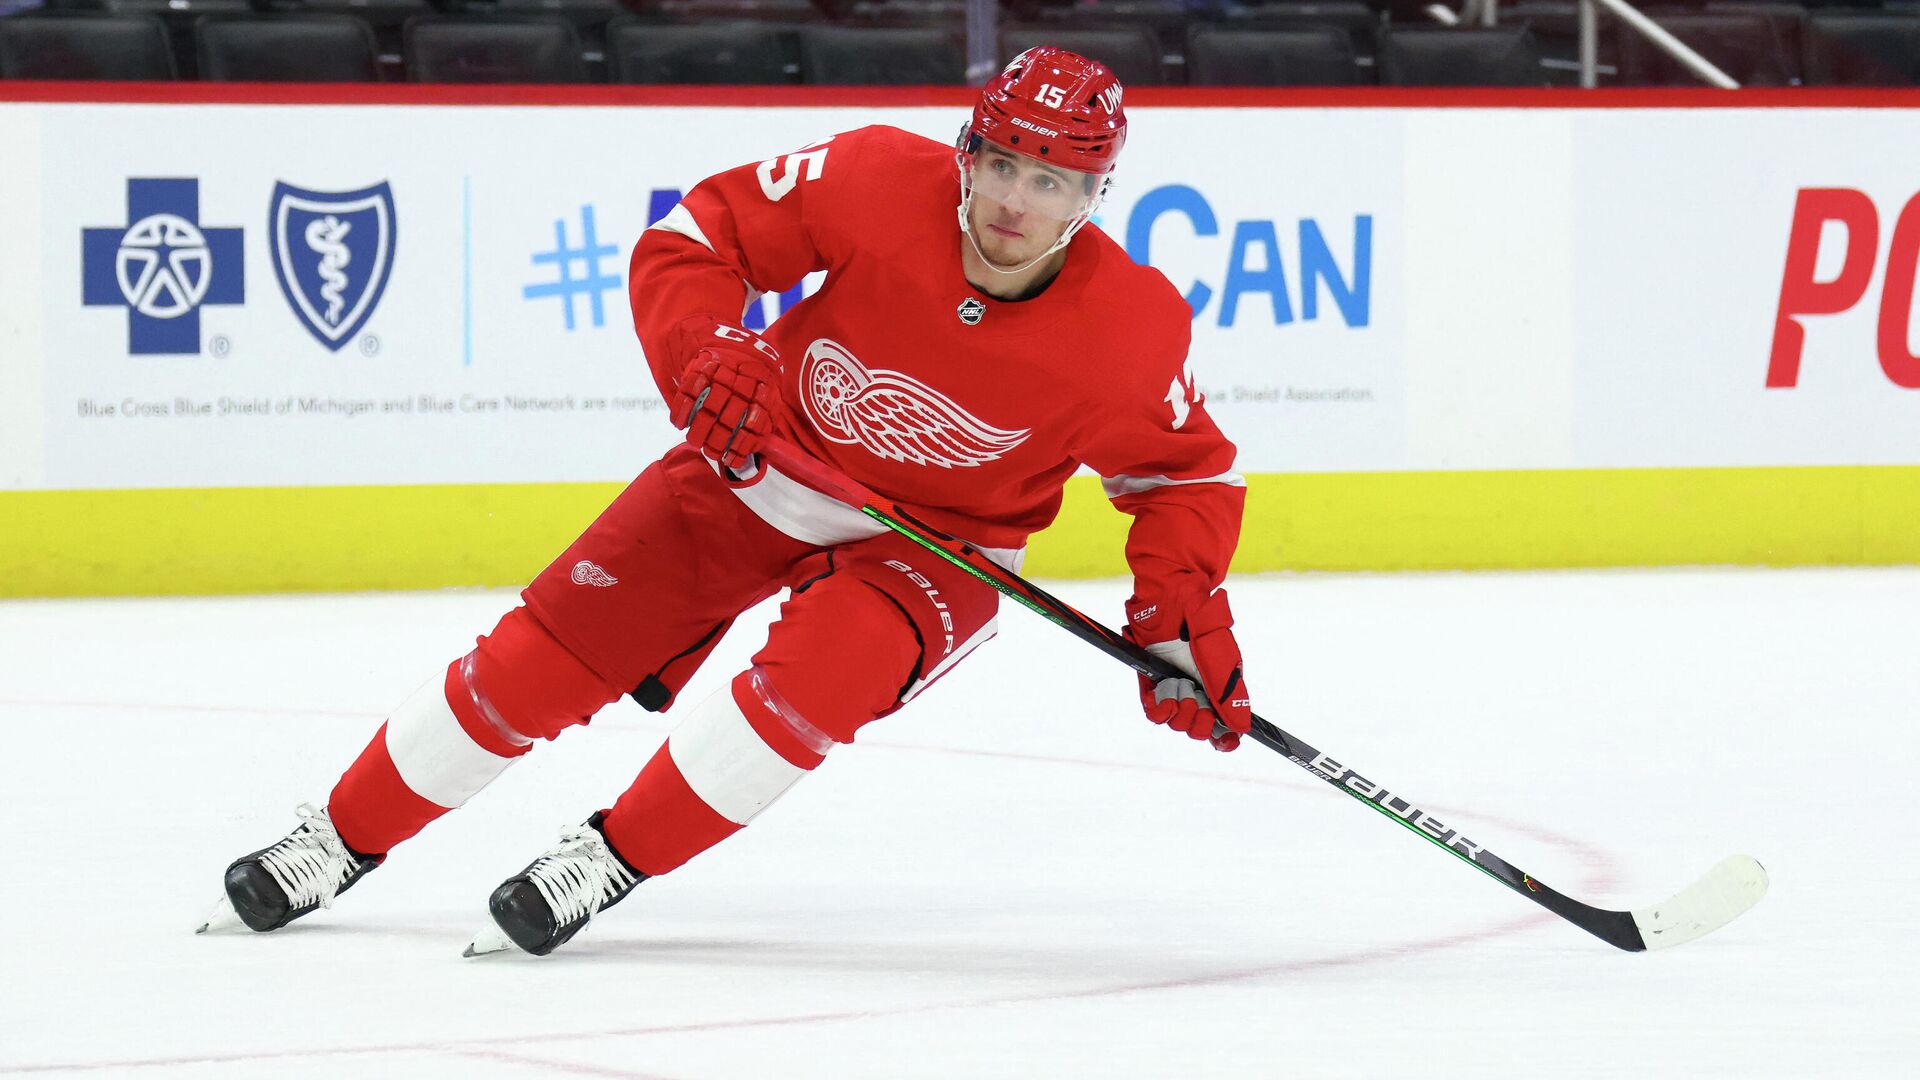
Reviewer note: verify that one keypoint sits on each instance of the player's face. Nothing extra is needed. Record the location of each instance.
(1020, 206)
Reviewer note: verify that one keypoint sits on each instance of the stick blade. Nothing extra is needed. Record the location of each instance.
(1723, 895)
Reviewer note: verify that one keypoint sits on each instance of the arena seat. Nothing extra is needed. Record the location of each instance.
(1310, 56)
(741, 53)
(1862, 48)
(589, 17)
(1166, 20)
(1132, 53)
(474, 49)
(1751, 47)
(185, 12)
(388, 18)
(68, 46)
(294, 48)
(179, 17)
(1362, 23)
(782, 11)
(943, 13)
(378, 14)
(1556, 30)
(1284, 14)
(882, 56)
(1500, 56)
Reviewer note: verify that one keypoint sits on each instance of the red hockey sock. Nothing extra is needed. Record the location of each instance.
(452, 737)
(737, 752)
(431, 755)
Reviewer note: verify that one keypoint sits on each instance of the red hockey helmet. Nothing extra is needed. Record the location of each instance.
(1054, 105)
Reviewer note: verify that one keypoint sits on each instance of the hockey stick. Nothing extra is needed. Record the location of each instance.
(1728, 890)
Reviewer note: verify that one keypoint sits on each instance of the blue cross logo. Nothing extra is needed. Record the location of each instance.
(162, 266)
(594, 281)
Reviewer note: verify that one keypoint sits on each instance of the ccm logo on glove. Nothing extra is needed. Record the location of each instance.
(1195, 637)
(727, 393)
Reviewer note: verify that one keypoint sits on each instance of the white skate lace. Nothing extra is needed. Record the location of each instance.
(312, 862)
(580, 875)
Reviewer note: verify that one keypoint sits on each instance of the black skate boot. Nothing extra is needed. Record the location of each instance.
(276, 885)
(543, 906)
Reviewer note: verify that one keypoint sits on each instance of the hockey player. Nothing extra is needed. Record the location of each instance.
(963, 371)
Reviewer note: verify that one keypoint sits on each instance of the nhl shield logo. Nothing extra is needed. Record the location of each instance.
(971, 310)
(332, 253)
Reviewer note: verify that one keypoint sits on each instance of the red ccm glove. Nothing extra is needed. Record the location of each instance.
(728, 390)
(1196, 638)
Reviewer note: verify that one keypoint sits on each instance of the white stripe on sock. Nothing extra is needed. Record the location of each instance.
(726, 762)
(433, 754)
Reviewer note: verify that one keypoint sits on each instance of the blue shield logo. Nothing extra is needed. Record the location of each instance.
(332, 253)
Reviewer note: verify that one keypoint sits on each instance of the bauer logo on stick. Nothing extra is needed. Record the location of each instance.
(1396, 805)
(332, 254)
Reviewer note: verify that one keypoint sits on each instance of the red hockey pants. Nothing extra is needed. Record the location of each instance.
(634, 606)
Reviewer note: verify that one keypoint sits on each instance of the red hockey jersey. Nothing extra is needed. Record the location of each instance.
(970, 410)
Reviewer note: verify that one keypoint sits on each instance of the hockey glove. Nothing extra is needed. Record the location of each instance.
(727, 393)
(1199, 641)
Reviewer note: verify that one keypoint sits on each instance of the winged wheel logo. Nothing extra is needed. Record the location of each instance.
(894, 416)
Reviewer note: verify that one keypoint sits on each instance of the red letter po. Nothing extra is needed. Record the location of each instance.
(1800, 294)
(1896, 300)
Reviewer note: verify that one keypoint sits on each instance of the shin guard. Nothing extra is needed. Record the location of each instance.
(454, 735)
(730, 759)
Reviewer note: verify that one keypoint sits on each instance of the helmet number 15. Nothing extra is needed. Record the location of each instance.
(805, 163)
(1051, 96)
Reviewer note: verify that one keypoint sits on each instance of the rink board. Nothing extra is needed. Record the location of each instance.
(253, 540)
(1472, 329)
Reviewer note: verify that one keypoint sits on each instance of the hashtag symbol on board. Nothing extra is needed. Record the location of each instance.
(591, 282)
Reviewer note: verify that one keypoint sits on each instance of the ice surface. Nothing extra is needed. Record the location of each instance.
(1017, 876)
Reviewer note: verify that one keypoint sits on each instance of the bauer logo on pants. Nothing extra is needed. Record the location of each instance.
(332, 253)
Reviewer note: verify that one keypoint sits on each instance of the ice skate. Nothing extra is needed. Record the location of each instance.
(276, 885)
(543, 906)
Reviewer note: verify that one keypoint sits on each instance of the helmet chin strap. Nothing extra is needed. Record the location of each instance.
(1066, 235)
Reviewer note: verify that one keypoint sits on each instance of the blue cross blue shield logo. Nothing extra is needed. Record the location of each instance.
(332, 254)
(162, 266)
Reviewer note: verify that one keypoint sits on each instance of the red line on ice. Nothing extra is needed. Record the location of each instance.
(1601, 878)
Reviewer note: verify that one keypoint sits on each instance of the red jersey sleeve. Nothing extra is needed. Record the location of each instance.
(750, 230)
(1163, 460)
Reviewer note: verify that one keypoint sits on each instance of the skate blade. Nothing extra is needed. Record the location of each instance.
(223, 917)
(490, 940)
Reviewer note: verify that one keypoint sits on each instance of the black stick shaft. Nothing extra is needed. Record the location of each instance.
(1616, 928)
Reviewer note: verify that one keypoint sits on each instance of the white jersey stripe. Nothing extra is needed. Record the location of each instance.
(813, 518)
(680, 220)
(978, 639)
(1116, 486)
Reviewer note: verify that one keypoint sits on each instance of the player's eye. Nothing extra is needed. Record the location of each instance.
(1048, 183)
